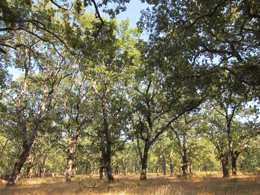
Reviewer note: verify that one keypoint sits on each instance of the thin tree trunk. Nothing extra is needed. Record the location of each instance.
(224, 163)
(171, 165)
(101, 169)
(30, 166)
(42, 166)
(124, 166)
(164, 165)
(157, 170)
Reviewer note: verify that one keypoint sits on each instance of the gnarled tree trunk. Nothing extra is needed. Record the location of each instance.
(224, 163)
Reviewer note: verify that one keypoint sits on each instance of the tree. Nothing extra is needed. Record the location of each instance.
(32, 98)
(210, 34)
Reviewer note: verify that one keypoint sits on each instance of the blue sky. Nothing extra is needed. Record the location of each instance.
(133, 12)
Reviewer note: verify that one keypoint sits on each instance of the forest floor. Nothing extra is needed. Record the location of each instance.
(197, 184)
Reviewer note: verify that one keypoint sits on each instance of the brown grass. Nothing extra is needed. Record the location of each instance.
(198, 184)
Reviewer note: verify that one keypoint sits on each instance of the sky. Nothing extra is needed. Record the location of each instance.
(133, 12)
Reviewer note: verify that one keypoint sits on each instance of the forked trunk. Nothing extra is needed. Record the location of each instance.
(224, 163)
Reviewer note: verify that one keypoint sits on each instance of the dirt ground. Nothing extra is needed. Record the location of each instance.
(197, 184)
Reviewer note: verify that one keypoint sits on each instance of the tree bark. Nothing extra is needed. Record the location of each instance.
(19, 164)
(30, 166)
(70, 160)
(224, 163)
(106, 148)
(144, 163)
(164, 165)
(101, 169)
(184, 167)
(234, 156)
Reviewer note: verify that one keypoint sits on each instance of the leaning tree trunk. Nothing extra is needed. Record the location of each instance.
(224, 163)
(234, 156)
(19, 164)
(144, 163)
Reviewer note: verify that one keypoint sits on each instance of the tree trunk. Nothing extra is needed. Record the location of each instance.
(42, 166)
(184, 167)
(234, 156)
(19, 164)
(144, 163)
(70, 160)
(157, 170)
(164, 165)
(30, 165)
(171, 166)
(224, 163)
(106, 148)
(124, 166)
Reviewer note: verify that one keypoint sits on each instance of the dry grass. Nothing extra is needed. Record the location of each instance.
(198, 184)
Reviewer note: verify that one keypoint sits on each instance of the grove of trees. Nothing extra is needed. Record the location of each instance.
(93, 97)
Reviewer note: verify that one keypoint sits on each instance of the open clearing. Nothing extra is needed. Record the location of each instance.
(199, 184)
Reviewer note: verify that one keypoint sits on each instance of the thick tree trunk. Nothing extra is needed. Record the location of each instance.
(106, 148)
(19, 164)
(234, 156)
(184, 167)
(70, 160)
(144, 163)
(108, 167)
(124, 166)
(224, 163)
